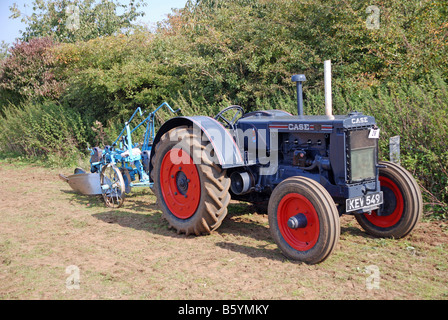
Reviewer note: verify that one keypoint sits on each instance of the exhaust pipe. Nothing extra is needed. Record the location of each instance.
(327, 81)
(299, 78)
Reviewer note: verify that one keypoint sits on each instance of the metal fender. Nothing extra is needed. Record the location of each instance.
(227, 151)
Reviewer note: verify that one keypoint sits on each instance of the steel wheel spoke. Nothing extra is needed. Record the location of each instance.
(113, 194)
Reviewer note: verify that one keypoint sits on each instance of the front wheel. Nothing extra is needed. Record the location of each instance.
(303, 220)
(402, 208)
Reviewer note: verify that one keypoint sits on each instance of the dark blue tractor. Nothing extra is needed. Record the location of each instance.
(306, 171)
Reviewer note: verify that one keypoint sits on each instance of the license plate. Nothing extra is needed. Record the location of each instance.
(364, 202)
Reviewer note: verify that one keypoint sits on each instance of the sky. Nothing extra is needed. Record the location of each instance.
(156, 10)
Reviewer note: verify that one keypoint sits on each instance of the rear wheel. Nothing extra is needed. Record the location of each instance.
(403, 204)
(303, 220)
(192, 196)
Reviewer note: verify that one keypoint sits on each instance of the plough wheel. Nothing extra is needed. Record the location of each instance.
(402, 208)
(127, 179)
(303, 220)
(112, 186)
(192, 196)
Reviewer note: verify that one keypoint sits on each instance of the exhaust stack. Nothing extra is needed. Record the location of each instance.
(299, 78)
(327, 81)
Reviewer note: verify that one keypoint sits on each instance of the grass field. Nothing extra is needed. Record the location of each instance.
(50, 237)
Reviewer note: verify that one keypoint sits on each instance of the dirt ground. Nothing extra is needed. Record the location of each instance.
(51, 237)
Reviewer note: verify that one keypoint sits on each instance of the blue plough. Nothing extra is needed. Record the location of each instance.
(119, 165)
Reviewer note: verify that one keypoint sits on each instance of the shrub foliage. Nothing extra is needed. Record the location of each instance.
(45, 131)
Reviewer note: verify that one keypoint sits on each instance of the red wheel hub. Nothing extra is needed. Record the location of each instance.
(180, 183)
(301, 239)
(391, 219)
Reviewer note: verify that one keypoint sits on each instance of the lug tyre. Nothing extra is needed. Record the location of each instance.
(313, 242)
(193, 196)
(403, 204)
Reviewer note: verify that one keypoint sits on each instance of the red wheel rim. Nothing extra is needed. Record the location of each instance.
(391, 219)
(301, 239)
(180, 183)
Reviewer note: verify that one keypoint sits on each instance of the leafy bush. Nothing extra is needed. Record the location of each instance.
(47, 132)
(246, 50)
(109, 77)
(27, 73)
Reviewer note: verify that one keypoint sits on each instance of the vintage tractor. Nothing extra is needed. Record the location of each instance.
(308, 170)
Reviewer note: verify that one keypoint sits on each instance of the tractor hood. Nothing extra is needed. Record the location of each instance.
(283, 122)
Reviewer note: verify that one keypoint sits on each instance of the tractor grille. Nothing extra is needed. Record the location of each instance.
(361, 156)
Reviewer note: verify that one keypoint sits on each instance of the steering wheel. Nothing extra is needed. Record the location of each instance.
(230, 123)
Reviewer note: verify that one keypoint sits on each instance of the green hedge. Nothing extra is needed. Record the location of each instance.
(47, 132)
